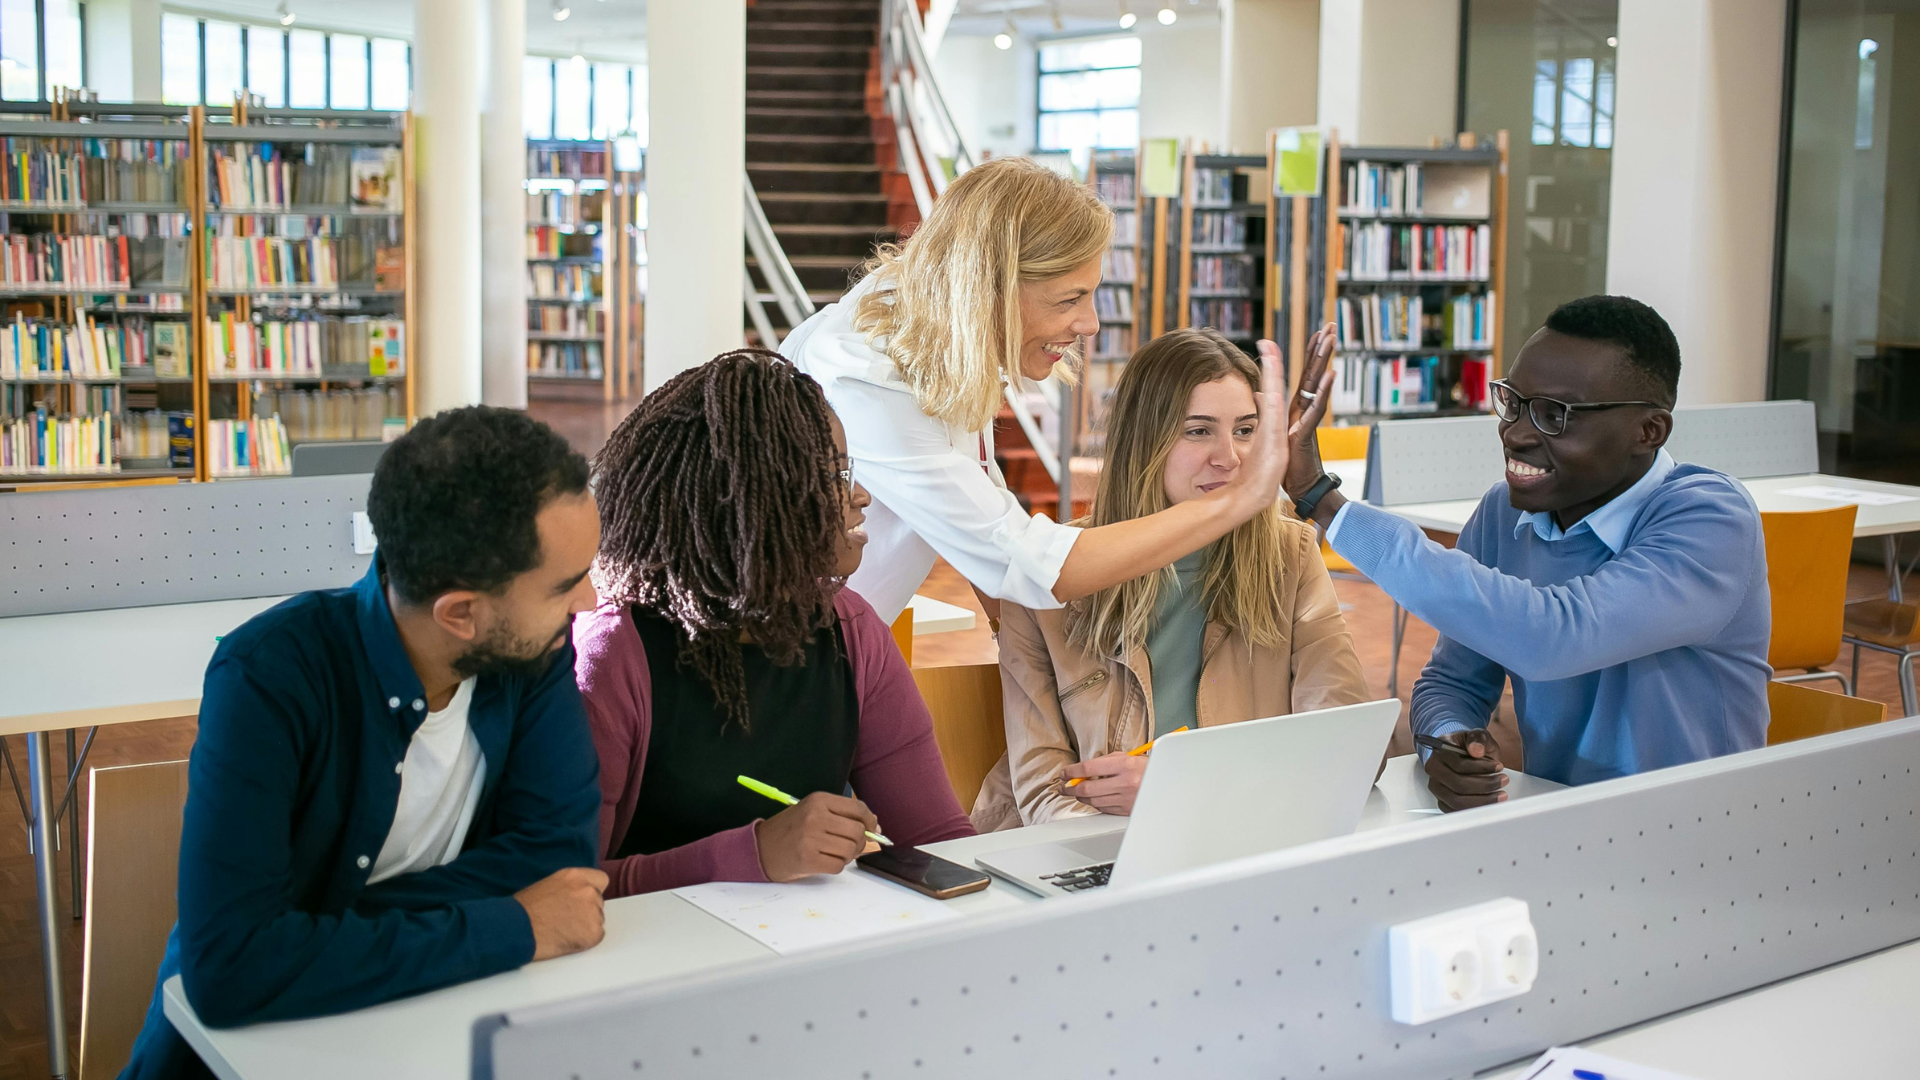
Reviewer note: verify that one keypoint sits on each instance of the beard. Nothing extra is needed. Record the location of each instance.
(505, 653)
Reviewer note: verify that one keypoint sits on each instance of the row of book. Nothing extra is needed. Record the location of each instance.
(144, 437)
(36, 170)
(1223, 272)
(1119, 266)
(1233, 318)
(42, 443)
(243, 262)
(31, 171)
(1467, 321)
(1408, 384)
(547, 242)
(1113, 343)
(1381, 252)
(1219, 228)
(566, 319)
(259, 176)
(1213, 187)
(106, 262)
(44, 349)
(575, 359)
(1380, 321)
(368, 414)
(563, 282)
(566, 162)
(305, 347)
(566, 208)
(256, 447)
(1113, 304)
(1368, 187)
(1114, 188)
(1126, 227)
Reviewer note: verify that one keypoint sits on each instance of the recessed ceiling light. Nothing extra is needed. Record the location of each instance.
(1167, 16)
(1613, 43)
(560, 11)
(287, 17)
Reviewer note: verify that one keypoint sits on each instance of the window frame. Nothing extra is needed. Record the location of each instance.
(1040, 111)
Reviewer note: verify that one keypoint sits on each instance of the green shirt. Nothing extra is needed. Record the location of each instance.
(1173, 647)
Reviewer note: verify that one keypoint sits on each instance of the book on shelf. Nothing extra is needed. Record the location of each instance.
(550, 242)
(579, 359)
(40, 443)
(169, 350)
(1393, 385)
(571, 319)
(1467, 321)
(36, 172)
(1113, 342)
(568, 209)
(32, 348)
(259, 176)
(1119, 266)
(245, 262)
(1376, 321)
(256, 447)
(376, 187)
(552, 161)
(334, 415)
(1219, 228)
(305, 347)
(1113, 303)
(180, 439)
(1224, 272)
(1375, 251)
(136, 170)
(1114, 188)
(1126, 227)
(143, 439)
(1213, 187)
(1371, 188)
(546, 281)
(1233, 318)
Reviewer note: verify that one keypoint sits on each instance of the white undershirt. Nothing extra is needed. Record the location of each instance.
(439, 788)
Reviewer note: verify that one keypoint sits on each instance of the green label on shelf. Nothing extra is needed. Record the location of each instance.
(1298, 150)
(1160, 168)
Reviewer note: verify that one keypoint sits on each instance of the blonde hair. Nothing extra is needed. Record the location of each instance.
(1244, 569)
(946, 303)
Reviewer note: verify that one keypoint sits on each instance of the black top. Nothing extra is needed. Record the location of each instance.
(805, 724)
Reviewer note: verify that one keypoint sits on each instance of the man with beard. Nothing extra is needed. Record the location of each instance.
(393, 788)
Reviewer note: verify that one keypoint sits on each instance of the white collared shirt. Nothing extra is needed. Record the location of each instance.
(1612, 520)
(932, 491)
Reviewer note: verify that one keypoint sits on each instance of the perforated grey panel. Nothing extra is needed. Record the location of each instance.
(1765, 438)
(1438, 460)
(1650, 894)
(140, 546)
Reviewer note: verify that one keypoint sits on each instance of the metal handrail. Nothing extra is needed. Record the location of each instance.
(785, 286)
(922, 121)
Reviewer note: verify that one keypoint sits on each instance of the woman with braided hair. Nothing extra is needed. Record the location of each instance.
(727, 644)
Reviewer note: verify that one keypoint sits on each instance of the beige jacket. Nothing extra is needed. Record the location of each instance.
(1061, 703)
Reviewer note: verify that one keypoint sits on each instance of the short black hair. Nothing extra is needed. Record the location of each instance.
(1637, 329)
(453, 500)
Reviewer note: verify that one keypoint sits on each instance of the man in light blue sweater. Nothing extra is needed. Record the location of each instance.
(1623, 593)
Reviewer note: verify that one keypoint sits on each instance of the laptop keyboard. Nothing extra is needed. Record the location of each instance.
(1085, 877)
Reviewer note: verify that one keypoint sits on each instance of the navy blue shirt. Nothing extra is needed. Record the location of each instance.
(306, 715)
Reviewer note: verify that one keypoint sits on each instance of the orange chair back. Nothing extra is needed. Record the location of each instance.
(1807, 556)
(903, 634)
(1801, 712)
(1343, 443)
(965, 703)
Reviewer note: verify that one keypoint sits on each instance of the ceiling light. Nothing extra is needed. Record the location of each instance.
(1166, 16)
(579, 60)
(287, 17)
(560, 11)
(1613, 43)
(1127, 18)
(1058, 24)
(1004, 39)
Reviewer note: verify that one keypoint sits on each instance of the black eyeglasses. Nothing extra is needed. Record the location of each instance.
(1549, 415)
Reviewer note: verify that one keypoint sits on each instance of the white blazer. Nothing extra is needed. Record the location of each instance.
(933, 491)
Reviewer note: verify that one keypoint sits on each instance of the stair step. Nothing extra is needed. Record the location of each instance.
(848, 123)
(811, 149)
(821, 33)
(776, 177)
(790, 52)
(836, 198)
(850, 99)
(790, 78)
(768, 11)
(829, 230)
(816, 262)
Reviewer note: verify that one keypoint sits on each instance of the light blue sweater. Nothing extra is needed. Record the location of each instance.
(1626, 656)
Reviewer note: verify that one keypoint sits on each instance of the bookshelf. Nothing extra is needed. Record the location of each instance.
(1404, 253)
(1220, 258)
(96, 351)
(1113, 177)
(305, 305)
(585, 252)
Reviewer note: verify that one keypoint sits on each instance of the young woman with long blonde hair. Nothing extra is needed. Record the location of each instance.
(995, 287)
(1246, 626)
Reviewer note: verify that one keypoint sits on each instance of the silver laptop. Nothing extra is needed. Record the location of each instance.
(1222, 793)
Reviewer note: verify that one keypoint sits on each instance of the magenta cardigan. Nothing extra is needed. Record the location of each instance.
(896, 766)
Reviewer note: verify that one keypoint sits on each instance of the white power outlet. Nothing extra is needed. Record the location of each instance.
(364, 541)
(1459, 960)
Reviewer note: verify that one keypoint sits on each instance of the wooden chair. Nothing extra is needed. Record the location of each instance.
(1801, 712)
(967, 722)
(133, 855)
(1341, 444)
(903, 634)
(1807, 556)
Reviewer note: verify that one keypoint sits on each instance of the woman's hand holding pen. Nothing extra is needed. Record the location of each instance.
(1109, 782)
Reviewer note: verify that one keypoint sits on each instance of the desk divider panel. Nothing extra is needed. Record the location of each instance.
(1650, 894)
(83, 550)
(1452, 458)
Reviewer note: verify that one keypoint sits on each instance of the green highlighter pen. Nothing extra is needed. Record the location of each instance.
(785, 799)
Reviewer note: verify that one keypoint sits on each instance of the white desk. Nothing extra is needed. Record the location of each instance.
(932, 616)
(649, 938)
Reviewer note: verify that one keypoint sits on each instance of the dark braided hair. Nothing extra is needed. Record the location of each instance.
(720, 509)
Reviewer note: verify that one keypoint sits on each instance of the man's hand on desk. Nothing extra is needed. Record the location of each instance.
(567, 910)
(1110, 784)
(1466, 771)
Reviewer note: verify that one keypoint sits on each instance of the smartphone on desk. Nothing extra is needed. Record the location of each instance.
(924, 873)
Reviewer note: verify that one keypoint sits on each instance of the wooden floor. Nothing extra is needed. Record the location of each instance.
(22, 1022)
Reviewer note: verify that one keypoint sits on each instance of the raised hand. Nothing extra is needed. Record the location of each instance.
(1307, 409)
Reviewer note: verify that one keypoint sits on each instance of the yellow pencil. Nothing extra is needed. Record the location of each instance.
(1135, 752)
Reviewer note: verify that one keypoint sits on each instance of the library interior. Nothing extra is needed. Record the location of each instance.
(1466, 443)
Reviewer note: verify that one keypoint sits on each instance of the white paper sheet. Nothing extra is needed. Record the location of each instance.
(1846, 495)
(1560, 1062)
(826, 909)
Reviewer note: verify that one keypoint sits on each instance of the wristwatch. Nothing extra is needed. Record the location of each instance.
(1305, 504)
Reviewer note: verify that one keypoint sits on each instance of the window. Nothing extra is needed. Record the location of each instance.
(179, 59)
(392, 74)
(572, 99)
(536, 97)
(347, 61)
(22, 42)
(64, 64)
(224, 74)
(306, 69)
(611, 99)
(1090, 94)
(267, 65)
(1573, 102)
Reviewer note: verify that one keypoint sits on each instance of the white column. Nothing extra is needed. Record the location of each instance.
(123, 49)
(1269, 76)
(503, 237)
(1389, 70)
(446, 103)
(1695, 153)
(696, 86)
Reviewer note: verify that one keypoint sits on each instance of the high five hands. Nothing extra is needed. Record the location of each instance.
(1306, 409)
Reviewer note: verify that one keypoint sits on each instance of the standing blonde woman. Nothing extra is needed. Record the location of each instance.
(995, 286)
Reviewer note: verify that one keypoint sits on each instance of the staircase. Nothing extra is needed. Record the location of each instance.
(812, 151)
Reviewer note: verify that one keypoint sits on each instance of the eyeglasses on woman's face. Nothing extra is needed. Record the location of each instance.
(1549, 415)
